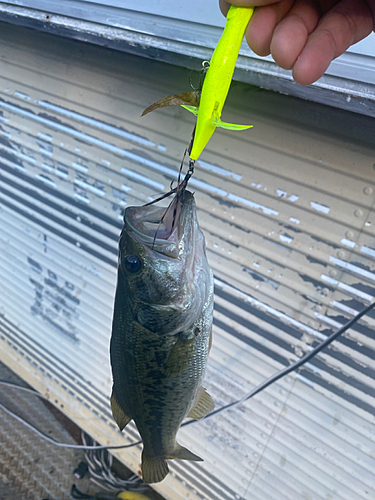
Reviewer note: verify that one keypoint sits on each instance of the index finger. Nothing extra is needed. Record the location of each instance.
(260, 31)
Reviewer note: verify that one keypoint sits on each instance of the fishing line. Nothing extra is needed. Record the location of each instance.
(47, 438)
(274, 378)
(294, 366)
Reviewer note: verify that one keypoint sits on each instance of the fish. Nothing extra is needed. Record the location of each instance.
(161, 330)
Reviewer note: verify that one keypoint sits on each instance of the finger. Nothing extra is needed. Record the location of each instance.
(290, 35)
(224, 7)
(261, 27)
(224, 4)
(345, 24)
(253, 3)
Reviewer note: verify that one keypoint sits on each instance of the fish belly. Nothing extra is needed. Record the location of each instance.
(157, 378)
(156, 400)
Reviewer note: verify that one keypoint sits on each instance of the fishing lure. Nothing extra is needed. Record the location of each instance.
(208, 100)
(218, 79)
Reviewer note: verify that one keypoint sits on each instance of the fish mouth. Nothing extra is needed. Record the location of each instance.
(161, 229)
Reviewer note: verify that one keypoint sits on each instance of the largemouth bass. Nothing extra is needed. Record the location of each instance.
(161, 329)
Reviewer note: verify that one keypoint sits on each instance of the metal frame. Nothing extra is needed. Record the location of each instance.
(349, 82)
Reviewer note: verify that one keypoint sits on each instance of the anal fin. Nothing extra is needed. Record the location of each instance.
(182, 453)
(203, 406)
(118, 413)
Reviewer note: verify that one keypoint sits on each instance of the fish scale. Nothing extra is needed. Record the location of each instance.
(158, 366)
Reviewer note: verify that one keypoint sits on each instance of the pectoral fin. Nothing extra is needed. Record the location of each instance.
(180, 355)
(229, 126)
(203, 406)
(188, 98)
(118, 413)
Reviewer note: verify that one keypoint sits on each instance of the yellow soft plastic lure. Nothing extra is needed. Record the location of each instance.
(218, 79)
(132, 495)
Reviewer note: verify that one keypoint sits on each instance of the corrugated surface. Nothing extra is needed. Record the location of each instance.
(185, 33)
(31, 468)
(287, 210)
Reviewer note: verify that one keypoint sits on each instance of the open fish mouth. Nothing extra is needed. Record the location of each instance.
(162, 228)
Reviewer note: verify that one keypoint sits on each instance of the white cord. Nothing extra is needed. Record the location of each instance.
(256, 390)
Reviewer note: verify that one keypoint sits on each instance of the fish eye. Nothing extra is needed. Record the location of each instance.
(132, 263)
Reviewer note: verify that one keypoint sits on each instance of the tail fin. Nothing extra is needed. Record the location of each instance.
(181, 453)
(154, 470)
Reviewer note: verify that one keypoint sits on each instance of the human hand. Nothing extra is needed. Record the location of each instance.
(306, 35)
